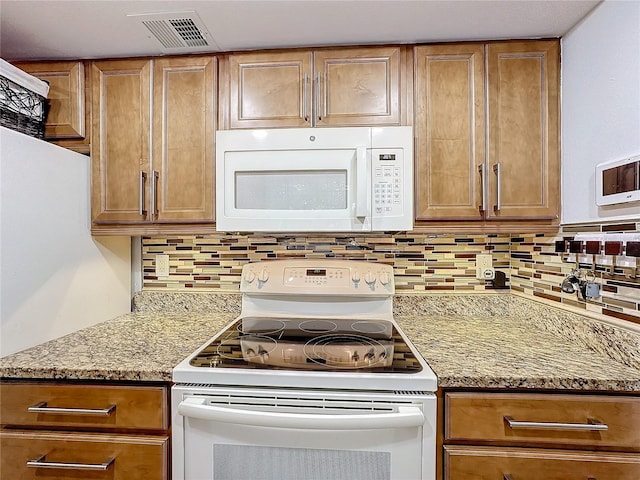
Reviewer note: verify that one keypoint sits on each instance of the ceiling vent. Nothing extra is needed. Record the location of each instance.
(177, 32)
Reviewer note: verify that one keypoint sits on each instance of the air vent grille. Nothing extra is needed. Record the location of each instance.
(177, 31)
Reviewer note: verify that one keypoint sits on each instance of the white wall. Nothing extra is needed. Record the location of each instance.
(600, 106)
(54, 277)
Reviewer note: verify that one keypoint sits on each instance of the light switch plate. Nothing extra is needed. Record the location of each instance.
(162, 265)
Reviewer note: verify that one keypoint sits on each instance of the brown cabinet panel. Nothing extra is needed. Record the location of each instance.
(358, 86)
(123, 457)
(129, 407)
(66, 116)
(329, 87)
(482, 417)
(120, 149)
(145, 176)
(487, 131)
(269, 90)
(523, 102)
(450, 131)
(478, 463)
(183, 142)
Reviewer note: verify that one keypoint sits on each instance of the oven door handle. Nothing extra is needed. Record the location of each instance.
(406, 416)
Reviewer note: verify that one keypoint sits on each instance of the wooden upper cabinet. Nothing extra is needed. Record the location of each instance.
(523, 153)
(358, 86)
(183, 139)
(487, 131)
(269, 90)
(450, 131)
(351, 86)
(150, 170)
(120, 148)
(66, 116)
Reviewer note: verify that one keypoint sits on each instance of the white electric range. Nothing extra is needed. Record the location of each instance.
(314, 380)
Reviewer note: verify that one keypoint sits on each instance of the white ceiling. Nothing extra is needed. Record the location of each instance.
(66, 29)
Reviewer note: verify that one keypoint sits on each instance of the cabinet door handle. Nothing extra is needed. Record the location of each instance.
(143, 179)
(483, 187)
(154, 196)
(40, 463)
(497, 206)
(507, 476)
(42, 408)
(305, 110)
(319, 97)
(591, 425)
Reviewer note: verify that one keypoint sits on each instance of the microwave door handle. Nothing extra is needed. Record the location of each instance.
(406, 416)
(362, 179)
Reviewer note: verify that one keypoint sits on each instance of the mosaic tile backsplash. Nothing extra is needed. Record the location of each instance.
(422, 264)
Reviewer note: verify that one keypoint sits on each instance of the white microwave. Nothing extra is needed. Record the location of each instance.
(348, 179)
(618, 181)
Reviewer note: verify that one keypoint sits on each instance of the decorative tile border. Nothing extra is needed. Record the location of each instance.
(422, 264)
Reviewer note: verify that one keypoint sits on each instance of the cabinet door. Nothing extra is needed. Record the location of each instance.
(449, 131)
(183, 139)
(358, 86)
(269, 90)
(524, 158)
(60, 405)
(61, 456)
(586, 420)
(120, 149)
(478, 463)
(66, 116)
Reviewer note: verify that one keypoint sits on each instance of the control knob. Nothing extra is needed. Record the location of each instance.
(384, 278)
(250, 276)
(370, 278)
(355, 278)
(263, 276)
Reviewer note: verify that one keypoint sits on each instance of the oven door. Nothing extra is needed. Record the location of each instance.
(231, 434)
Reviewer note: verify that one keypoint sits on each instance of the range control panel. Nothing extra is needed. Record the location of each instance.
(318, 277)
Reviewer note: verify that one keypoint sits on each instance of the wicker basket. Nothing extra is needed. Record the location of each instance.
(22, 109)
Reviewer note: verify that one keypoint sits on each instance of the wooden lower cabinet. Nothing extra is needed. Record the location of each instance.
(55, 455)
(480, 463)
(550, 436)
(99, 430)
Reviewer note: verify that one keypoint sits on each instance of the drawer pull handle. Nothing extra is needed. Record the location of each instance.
(592, 425)
(42, 408)
(507, 476)
(40, 463)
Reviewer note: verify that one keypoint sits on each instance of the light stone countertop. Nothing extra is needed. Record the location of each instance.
(479, 341)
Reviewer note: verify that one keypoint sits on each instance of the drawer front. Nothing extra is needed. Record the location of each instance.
(595, 420)
(85, 406)
(477, 463)
(54, 456)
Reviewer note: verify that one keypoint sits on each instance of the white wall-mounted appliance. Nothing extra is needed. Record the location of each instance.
(618, 181)
(353, 179)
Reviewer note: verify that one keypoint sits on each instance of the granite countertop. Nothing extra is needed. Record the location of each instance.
(482, 341)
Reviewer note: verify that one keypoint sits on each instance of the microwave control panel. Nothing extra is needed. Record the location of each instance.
(388, 182)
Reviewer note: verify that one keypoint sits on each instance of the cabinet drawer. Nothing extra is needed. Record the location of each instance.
(57, 456)
(543, 418)
(85, 406)
(480, 463)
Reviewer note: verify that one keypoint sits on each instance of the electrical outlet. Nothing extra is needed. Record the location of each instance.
(162, 265)
(484, 267)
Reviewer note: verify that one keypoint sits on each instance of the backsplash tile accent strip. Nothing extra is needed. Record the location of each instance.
(422, 264)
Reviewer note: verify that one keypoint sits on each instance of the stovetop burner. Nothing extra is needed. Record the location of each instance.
(309, 344)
